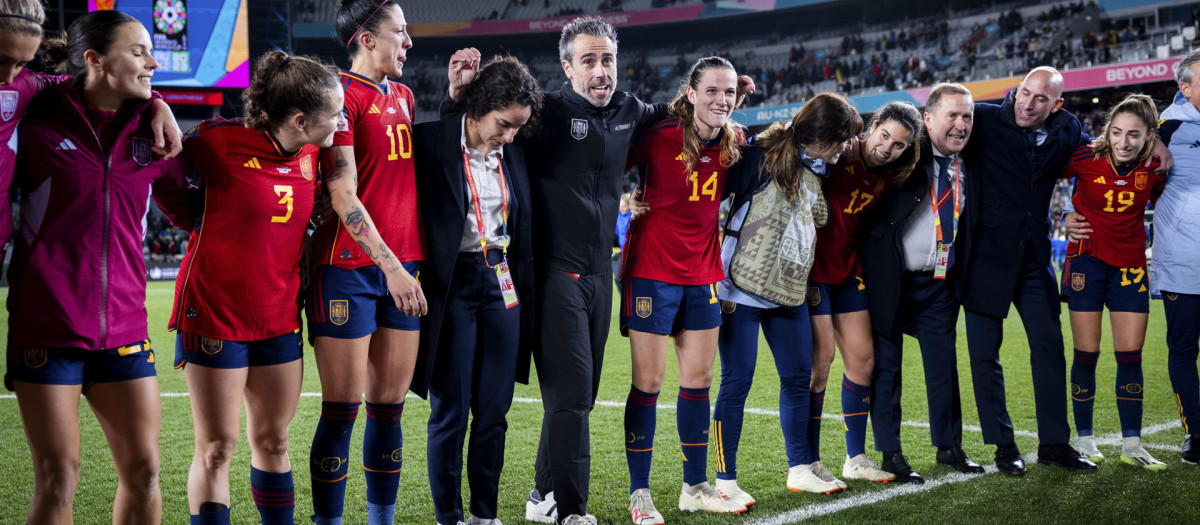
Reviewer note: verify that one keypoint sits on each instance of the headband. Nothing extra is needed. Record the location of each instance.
(21, 17)
(364, 24)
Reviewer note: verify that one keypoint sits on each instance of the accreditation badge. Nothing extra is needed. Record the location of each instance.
(941, 261)
(507, 290)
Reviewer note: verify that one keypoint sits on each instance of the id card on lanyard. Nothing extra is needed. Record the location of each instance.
(941, 259)
(503, 277)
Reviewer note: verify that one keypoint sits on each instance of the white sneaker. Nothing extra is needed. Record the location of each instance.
(541, 509)
(641, 509)
(861, 467)
(1132, 453)
(703, 496)
(824, 474)
(1087, 446)
(480, 521)
(802, 479)
(728, 489)
(575, 519)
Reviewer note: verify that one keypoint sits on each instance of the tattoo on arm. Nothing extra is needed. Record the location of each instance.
(333, 176)
(341, 161)
(356, 222)
(366, 249)
(384, 252)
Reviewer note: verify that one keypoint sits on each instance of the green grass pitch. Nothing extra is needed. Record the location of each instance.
(1117, 493)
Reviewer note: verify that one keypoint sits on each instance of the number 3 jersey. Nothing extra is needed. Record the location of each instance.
(240, 279)
(379, 122)
(678, 240)
(1114, 203)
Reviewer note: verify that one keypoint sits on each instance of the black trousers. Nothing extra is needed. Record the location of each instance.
(928, 311)
(574, 313)
(473, 374)
(1037, 301)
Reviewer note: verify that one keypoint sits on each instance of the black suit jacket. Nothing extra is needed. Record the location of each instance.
(881, 251)
(441, 184)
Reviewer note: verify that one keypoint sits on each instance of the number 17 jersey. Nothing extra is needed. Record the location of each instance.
(678, 240)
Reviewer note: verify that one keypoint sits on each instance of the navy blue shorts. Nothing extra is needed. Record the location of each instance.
(829, 299)
(1088, 284)
(348, 304)
(216, 353)
(668, 309)
(72, 366)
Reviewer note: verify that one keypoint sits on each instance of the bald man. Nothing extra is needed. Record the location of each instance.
(1018, 151)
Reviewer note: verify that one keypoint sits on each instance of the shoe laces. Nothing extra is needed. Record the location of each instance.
(641, 503)
(900, 461)
(958, 455)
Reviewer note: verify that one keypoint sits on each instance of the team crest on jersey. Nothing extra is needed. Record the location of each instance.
(35, 357)
(579, 128)
(211, 345)
(141, 151)
(339, 311)
(1140, 180)
(306, 168)
(1077, 281)
(643, 307)
(814, 296)
(8, 104)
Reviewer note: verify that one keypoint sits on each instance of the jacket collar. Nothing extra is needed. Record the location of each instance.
(1008, 114)
(582, 103)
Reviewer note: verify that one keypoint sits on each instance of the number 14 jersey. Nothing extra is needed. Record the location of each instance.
(240, 279)
(678, 240)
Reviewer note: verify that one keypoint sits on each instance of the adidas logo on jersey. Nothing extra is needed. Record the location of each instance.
(680, 157)
(65, 145)
(252, 163)
(373, 111)
(1100, 180)
(284, 170)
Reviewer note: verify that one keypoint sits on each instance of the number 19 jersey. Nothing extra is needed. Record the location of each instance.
(1115, 206)
(678, 240)
(379, 122)
(240, 279)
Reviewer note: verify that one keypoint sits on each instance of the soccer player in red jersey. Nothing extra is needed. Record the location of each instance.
(1112, 186)
(77, 315)
(671, 266)
(236, 311)
(837, 297)
(365, 299)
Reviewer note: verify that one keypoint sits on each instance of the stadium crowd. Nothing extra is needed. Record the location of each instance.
(455, 257)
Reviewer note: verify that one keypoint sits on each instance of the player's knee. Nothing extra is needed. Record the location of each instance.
(818, 378)
(273, 444)
(56, 479)
(141, 475)
(217, 453)
(695, 378)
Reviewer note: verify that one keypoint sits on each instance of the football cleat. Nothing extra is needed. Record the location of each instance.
(801, 478)
(819, 469)
(861, 467)
(702, 496)
(728, 488)
(541, 509)
(1132, 453)
(1087, 446)
(641, 509)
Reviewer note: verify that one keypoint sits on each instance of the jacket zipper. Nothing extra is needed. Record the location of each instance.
(106, 193)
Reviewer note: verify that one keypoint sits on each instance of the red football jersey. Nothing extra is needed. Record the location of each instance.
(678, 240)
(1115, 205)
(379, 126)
(850, 190)
(240, 279)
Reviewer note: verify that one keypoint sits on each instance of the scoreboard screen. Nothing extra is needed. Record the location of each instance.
(197, 43)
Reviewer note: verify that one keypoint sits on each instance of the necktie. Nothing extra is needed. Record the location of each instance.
(945, 195)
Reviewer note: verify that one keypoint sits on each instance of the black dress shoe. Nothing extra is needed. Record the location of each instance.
(957, 459)
(1191, 449)
(897, 464)
(1064, 456)
(1009, 460)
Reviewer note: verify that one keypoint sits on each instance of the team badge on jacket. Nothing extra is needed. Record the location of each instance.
(579, 128)
(8, 104)
(1140, 180)
(141, 151)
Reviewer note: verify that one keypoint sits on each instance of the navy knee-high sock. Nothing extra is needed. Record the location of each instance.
(211, 513)
(816, 403)
(1083, 389)
(275, 496)
(329, 459)
(383, 451)
(856, 405)
(691, 417)
(640, 421)
(1129, 392)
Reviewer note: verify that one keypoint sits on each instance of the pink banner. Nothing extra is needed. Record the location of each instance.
(491, 27)
(1120, 74)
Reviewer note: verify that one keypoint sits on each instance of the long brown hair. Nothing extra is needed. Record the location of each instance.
(1140, 106)
(731, 138)
(906, 115)
(825, 119)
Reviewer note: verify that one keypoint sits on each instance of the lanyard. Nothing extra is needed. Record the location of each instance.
(938, 202)
(478, 209)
